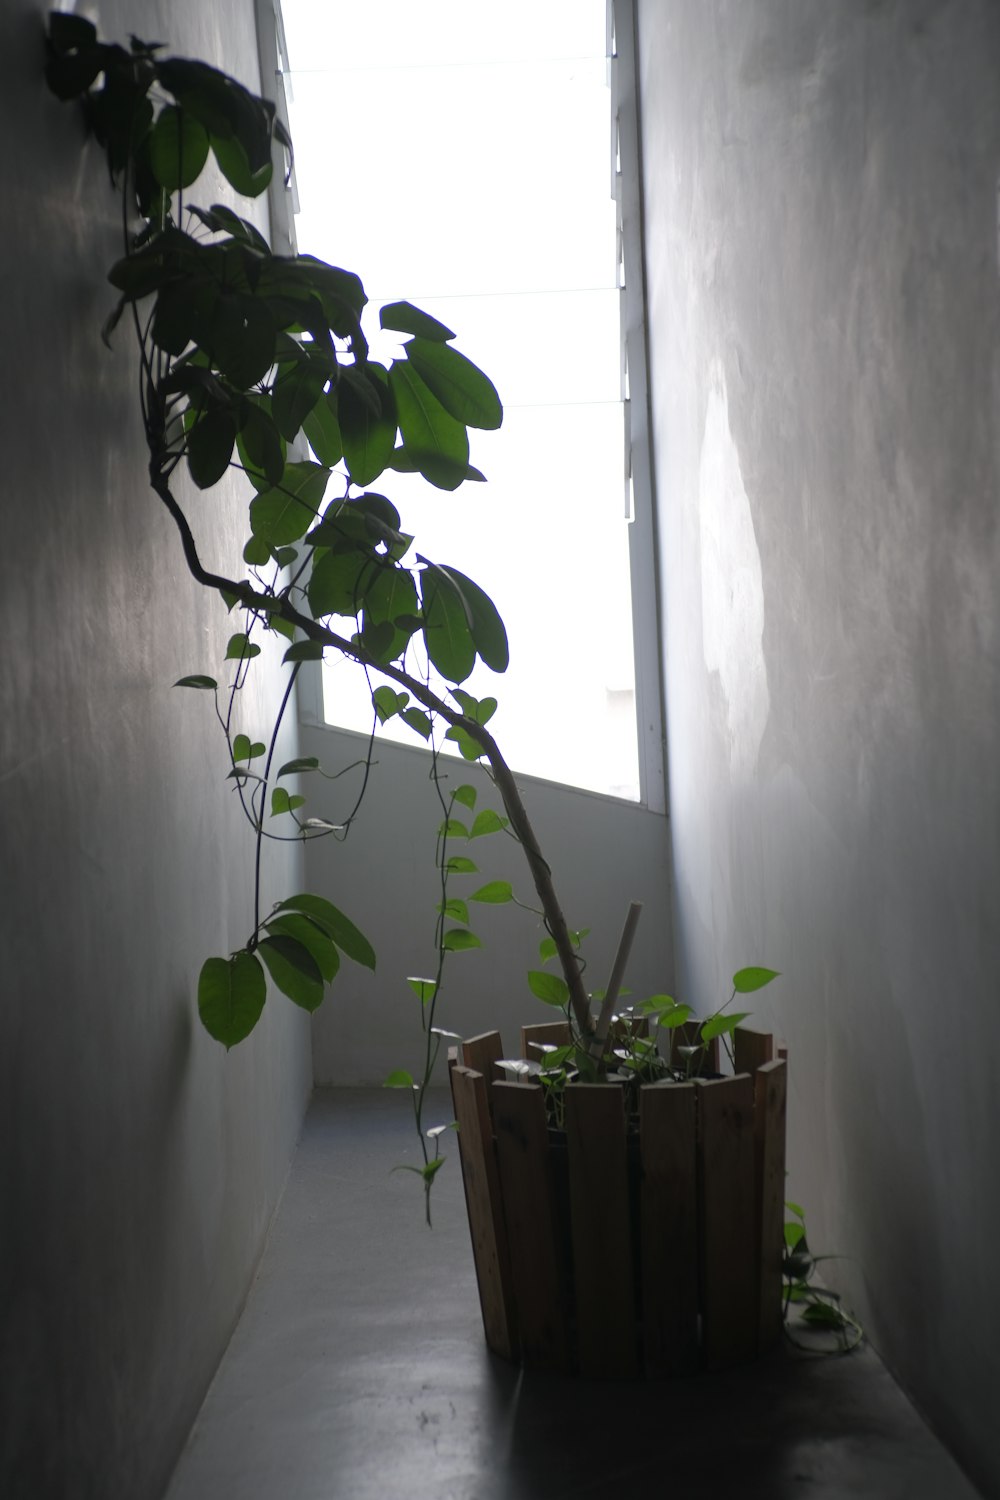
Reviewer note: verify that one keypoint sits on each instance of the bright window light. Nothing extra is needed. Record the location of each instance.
(456, 154)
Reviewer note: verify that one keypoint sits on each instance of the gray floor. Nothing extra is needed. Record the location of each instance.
(358, 1372)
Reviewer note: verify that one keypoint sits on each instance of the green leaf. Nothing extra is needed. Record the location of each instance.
(720, 1025)
(429, 432)
(304, 651)
(387, 702)
(548, 987)
(197, 681)
(256, 553)
(486, 626)
(547, 949)
(456, 910)
(466, 744)
(453, 828)
(178, 148)
(235, 167)
(322, 430)
(795, 1209)
(293, 969)
(458, 939)
(424, 989)
(301, 763)
(368, 435)
(399, 1079)
(343, 931)
(240, 648)
(495, 893)
(793, 1234)
(295, 394)
(466, 795)
(824, 1315)
(210, 446)
(283, 802)
(241, 747)
(285, 513)
(458, 864)
(403, 317)
(459, 385)
(231, 995)
(485, 822)
(479, 709)
(260, 446)
(312, 937)
(447, 632)
(418, 721)
(747, 980)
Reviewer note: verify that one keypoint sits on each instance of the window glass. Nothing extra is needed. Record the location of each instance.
(457, 154)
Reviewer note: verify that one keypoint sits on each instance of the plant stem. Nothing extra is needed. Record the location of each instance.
(502, 775)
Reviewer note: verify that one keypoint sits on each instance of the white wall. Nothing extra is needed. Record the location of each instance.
(821, 187)
(139, 1163)
(603, 854)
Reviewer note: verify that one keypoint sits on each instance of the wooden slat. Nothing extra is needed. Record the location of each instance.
(481, 1052)
(686, 1035)
(669, 1228)
(602, 1231)
(485, 1208)
(728, 1220)
(549, 1033)
(539, 1272)
(770, 1091)
(752, 1049)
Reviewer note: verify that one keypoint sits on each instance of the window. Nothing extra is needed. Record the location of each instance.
(457, 155)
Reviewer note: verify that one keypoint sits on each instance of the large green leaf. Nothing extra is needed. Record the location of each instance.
(403, 317)
(447, 629)
(390, 596)
(338, 582)
(295, 394)
(343, 931)
(311, 936)
(178, 148)
(210, 446)
(293, 969)
(488, 631)
(285, 513)
(459, 385)
(437, 444)
(322, 430)
(235, 168)
(231, 995)
(260, 445)
(368, 434)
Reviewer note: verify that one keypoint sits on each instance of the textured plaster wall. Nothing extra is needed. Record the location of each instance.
(821, 215)
(603, 853)
(139, 1163)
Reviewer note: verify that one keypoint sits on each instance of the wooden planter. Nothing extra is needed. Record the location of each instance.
(619, 1256)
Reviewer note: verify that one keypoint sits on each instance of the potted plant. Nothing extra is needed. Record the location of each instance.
(246, 357)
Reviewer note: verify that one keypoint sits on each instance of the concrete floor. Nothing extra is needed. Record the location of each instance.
(358, 1372)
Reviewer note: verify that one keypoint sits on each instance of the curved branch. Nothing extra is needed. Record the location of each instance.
(502, 774)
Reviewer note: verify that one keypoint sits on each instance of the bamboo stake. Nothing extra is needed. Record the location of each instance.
(599, 1039)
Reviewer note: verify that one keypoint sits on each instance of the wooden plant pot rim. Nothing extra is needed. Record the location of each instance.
(618, 1255)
